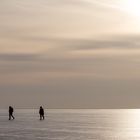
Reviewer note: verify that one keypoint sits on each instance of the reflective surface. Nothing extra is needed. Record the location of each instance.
(71, 125)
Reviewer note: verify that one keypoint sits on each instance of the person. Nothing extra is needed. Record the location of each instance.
(11, 110)
(41, 112)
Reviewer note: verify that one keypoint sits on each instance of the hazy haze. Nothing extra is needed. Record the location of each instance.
(68, 54)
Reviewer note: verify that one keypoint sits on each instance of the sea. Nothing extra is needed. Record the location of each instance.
(71, 124)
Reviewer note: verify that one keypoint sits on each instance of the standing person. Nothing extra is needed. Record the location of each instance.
(41, 112)
(11, 110)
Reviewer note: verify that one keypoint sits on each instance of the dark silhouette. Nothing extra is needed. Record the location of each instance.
(11, 110)
(41, 112)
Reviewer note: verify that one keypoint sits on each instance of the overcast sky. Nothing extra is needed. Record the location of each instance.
(69, 54)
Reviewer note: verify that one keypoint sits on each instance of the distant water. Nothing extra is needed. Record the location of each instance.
(71, 125)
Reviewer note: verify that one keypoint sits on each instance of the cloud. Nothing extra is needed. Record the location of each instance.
(17, 57)
(116, 42)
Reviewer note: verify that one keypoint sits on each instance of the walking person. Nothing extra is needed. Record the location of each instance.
(11, 110)
(41, 112)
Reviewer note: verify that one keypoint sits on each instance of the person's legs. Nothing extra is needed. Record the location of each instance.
(9, 116)
(13, 116)
(40, 117)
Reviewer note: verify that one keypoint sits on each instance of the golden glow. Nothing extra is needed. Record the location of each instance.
(132, 7)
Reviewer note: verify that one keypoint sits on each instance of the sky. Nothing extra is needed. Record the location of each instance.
(69, 53)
